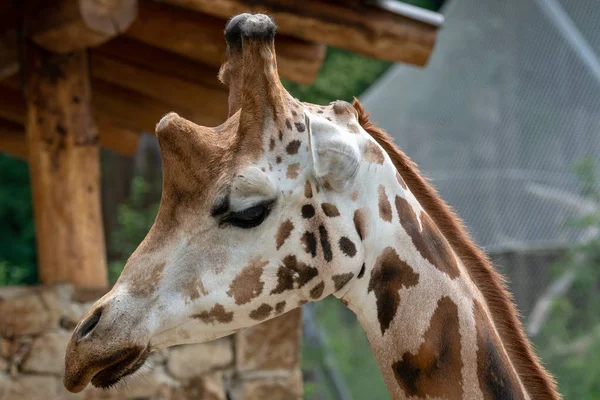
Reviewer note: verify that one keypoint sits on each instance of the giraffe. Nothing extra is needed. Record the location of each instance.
(289, 202)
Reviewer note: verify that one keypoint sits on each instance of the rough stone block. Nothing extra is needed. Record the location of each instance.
(272, 345)
(273, 388)
(30, 387)
(192, 360)
(207, 387)
(26, 311)
(5, 347)
(47, 355)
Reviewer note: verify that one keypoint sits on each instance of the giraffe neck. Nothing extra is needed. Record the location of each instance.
(426, 321)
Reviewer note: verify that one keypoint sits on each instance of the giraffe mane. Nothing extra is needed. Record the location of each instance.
(538, 382)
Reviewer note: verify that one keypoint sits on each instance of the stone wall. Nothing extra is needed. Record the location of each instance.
(36, 323)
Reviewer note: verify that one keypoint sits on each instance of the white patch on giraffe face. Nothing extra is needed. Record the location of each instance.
(251, 187)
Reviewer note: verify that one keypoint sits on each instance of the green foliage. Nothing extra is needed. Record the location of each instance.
(135, 217)
(17, 232)
(569, 342)
(342, 76)
(12, 275)
(428, 4)
(351, 352)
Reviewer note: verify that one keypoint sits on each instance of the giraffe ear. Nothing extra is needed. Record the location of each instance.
(335, 154)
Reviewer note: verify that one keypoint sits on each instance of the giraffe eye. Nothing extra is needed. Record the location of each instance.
(250, 217)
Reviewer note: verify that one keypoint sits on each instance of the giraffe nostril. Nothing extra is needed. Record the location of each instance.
(89, 324)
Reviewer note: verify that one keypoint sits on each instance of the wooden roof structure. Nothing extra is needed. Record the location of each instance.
(79, 74)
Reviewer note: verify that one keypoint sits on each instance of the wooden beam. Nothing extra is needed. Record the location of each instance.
(63, 26)
(116, 106)
(9, 63)
(119, 140)
(355, 26)
(12, 103)
(135, 111)
(200, 37)
(160, 61)
(12, 139)
(65, 169)
(13, 110)
(202, 96)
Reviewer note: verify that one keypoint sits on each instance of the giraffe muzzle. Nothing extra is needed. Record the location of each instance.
(106, 346)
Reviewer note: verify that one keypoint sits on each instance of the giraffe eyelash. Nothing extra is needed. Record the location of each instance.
(248, 218)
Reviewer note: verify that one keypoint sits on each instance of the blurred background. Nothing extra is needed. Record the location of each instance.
(504, 120)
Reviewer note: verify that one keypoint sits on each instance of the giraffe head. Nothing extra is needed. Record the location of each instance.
(254, 220)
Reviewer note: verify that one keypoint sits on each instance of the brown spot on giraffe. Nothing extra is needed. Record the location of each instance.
(388, 276)
(272, 144)
(288, 124)
(293, 273)
(278, 160)
(279, 307)
(216, 314)
(292, 147)
(429, 242)
(308, 190)
(284, 231)
(497, 379)
(247, 284)
(354, 195)
(360, 222)
(262, 312)
(300, 127)
(373, 153)
(317, 291)
(330, 210)
(436, 369)
(385, 208)
(347, 246)
(145, 284)
(309, 242)
(292, 171)
(308, 211)
(193, 290)
(340, 280)
(325, 245)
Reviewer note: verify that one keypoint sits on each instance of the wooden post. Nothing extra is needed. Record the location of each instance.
(64, 167)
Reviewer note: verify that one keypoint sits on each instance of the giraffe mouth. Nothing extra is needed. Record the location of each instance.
(130, 361)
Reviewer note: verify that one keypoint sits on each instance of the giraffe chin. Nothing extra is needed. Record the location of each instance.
(127, 365)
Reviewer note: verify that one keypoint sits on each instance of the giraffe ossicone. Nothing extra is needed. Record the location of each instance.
(289, 202)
